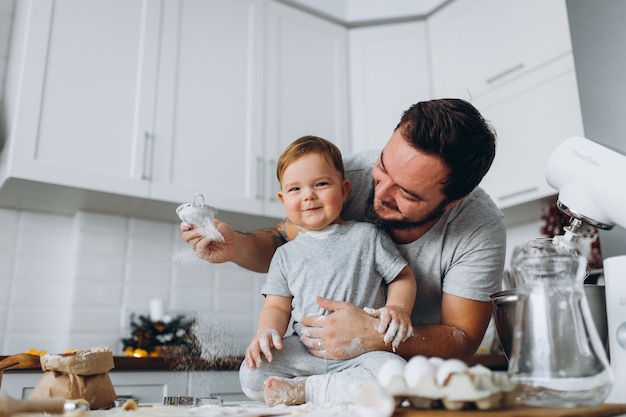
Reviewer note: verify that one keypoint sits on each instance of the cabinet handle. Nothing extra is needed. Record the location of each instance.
(259, 178)
(273, 164)
(147, 156)
(518, 193)
(504, 73)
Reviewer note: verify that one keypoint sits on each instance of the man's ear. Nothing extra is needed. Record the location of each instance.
(454, 203)
(345, 189)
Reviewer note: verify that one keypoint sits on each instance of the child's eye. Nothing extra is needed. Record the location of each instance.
(321, 184)
(293, 189)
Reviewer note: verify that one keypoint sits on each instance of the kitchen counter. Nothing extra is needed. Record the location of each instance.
(496, 362)
(129, 363)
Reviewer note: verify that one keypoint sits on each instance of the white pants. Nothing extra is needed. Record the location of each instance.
(328, 381)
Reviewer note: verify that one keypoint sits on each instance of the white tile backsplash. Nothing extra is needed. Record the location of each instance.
(71, 282)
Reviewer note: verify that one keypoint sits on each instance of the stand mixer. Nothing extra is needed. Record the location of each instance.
(589, 178)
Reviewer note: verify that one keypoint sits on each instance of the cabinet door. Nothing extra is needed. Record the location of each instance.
(208, 137)
(480, 44)
(531, 117)
(389, 71)
(306, 86)
(86, 87)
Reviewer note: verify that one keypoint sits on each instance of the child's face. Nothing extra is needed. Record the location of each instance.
(313, 192)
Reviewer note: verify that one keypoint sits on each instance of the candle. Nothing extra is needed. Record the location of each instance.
(156, 309)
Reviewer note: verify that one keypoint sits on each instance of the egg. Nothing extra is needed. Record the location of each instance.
(447, 368)
(436, 361)
(390, 369)
(416, 368)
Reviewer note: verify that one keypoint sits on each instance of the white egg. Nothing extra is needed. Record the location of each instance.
(436, 361)
(416, 368)
(448, 367)
(391, 368)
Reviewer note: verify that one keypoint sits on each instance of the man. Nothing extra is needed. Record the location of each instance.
(422, 190)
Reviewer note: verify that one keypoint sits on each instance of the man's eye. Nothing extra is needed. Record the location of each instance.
(408, 196)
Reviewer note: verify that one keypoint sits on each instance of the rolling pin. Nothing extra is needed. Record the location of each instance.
(10, 406)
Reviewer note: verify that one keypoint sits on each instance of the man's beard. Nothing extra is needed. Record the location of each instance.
(374, 218)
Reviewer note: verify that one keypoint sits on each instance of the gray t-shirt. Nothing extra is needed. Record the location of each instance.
(352, 264)
(462, 254)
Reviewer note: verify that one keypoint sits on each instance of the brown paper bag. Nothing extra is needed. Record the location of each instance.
(80, 375)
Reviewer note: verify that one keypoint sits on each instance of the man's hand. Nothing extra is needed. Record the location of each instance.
(210, 250)
(262, 343)
(344, 334)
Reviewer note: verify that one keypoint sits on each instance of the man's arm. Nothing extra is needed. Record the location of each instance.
(349, 331)
(252, 250)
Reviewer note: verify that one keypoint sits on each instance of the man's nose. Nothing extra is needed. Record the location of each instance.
(384, 190)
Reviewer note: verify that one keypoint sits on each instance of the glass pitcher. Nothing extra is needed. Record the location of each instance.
(557, 356)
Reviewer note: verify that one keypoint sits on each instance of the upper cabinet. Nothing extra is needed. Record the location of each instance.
(84, 75)
(480, 44)
(389, 71)
(207, 133)
(513, 61)
(160, 100)
(306, 86)
(532, 117)
(153, 100)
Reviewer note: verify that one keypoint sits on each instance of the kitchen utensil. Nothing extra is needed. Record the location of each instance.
(20, 361)
(615, 278)
(505, 303)
(201, 216)
(202, 401)
(10, 406)
(504, 307)
(557, 355)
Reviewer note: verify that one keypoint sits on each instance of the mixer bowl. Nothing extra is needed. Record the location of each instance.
(505, 304)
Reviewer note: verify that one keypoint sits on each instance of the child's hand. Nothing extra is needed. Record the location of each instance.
(394, 323)
(262, 342)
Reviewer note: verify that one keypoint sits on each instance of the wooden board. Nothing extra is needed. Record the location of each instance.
(604, 410)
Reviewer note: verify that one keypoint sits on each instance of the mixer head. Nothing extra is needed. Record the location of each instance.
(578, 220)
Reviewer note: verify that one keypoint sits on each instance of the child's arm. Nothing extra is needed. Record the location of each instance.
(273, 323)
(395, 317)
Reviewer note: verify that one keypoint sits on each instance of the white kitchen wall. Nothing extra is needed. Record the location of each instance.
(71, 282)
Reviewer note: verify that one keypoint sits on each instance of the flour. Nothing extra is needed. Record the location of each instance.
(186, 257)
(217, 344)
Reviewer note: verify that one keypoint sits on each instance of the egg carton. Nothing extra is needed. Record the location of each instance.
(453, 388)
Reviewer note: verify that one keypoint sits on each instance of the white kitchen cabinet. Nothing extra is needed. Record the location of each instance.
(389, 71)
(478, 45)
(160, 100)
(148, 99)
(208, 130)
(84, 75)
(306, 86)
(531, 117)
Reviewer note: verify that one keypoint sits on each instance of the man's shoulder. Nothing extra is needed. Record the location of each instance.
(358, 168)
(478, 208)
(360, 161)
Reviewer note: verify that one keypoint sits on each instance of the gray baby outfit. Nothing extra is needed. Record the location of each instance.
(351, 264)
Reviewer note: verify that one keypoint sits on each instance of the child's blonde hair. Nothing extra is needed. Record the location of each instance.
(306, 145)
